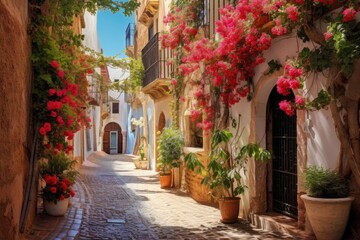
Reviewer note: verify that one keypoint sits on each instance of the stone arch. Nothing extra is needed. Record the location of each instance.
(112, 138)
(258, 193)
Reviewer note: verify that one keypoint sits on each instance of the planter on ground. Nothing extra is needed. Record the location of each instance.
(144, 165)
(56, 209)
(229, 209)
(137, 163)
(328, 216)
(165, 180)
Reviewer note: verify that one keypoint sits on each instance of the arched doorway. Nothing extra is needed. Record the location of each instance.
(162, 122)
(282, 172)
(112, 138)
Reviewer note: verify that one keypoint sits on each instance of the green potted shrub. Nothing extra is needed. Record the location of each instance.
(58, 174)
(327, 202)
(223, 174)
(170, 149)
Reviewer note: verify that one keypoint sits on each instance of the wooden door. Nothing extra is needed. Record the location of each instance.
(112, 127)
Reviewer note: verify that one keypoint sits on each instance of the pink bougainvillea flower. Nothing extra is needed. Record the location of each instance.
(60, 120)
(293, 13)
(173, 82)
(282, 86)
(61, 74)
(47, 127)
(54, 105)
(294, 84)
(278, 29)
(292, 71)
(59, 146)
(299, 100)
(348, 14)
(69, 121)
(328, 36)
(182, 98)
(53, 114)
(286, 107)
(42, 131)
(52, 91)
(55, 64)
(60, 93)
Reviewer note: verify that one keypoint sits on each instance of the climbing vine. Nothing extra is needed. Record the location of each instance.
(62, 67)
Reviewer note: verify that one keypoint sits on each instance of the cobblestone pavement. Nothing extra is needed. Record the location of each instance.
(115, 201)
(116, 192)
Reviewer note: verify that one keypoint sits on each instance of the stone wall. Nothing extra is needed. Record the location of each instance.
(14, 108)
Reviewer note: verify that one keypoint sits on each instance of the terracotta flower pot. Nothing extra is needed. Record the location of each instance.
(229, 209)
(56, 209)
(165, 181)
(328, 216)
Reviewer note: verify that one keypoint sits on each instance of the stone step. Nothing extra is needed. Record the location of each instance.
(276, 222)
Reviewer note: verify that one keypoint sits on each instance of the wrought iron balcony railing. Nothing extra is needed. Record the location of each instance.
(210, 14)
(155, 61)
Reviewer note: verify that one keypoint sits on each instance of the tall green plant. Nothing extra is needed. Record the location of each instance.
(225, 167)
(170, 146)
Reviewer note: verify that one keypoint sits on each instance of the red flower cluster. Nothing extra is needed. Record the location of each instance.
(348, 14)
(291, 81)
(57, 188)
(64, 106)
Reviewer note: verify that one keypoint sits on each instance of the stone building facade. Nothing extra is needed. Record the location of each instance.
(311, 140)
(15, 122)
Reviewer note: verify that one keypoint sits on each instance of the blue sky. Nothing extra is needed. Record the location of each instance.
(111, 31)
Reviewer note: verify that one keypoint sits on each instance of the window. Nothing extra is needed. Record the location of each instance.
(115, 107)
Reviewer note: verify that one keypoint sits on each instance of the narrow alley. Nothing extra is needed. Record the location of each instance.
(116, 201)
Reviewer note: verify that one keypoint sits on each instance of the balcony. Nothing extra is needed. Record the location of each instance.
(93, 90)
(211, 13)
(157, 72)
(129, 41)
(147, 10)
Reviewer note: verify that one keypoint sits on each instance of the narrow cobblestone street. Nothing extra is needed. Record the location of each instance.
(116, 201)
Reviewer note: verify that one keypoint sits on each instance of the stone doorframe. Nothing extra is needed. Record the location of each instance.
(258, 190)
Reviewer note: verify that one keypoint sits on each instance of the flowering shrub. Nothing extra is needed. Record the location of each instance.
(229, 63)
(57, 170)
(58, 187)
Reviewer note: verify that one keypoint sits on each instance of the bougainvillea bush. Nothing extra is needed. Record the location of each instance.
(227, 64)
(62, 67)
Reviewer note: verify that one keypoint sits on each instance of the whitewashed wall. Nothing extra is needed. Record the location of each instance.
(91, 41)
(323, 147)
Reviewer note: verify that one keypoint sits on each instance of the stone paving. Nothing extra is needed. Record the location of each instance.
(116, 201)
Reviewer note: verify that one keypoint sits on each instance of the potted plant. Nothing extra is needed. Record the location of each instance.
(327, 202)
(223, 174)
(58, 173)
(170, 148)
(143, 161)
